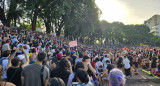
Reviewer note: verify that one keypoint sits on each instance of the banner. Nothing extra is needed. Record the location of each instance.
(73, 43)
(38, 29)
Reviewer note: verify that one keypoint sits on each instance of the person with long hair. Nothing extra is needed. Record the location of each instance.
(72, 76)
(61, 71)
(82, 77)
(56, 82)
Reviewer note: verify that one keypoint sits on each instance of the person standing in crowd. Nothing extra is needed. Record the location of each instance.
(69, 58)
(59, 57)
(4, 83)
(109, 68)
(14, 70)
(56, 82)
(82, 77)
(99, 66)
(135, 63)
(130, 58)
(72, 76)
(73, 56)
(31, 74)
(62, 70)
(126, 66)
(154, 61)
(14, 40)
(104, 61)
(80, 58)
(116, 78)
(87, 65)
(4, 62)
(120, 63)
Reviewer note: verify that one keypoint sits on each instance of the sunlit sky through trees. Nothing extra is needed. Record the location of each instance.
(128, 11)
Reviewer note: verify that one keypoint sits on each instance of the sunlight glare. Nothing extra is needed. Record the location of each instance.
(111, 10)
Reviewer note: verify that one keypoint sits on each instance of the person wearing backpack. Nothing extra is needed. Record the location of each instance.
(99, 66)
(99, 69)
(35, 74)
(4, 62)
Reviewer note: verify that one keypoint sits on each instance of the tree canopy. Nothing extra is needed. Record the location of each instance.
(77, 19)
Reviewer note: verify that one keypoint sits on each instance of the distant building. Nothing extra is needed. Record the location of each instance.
(154, 24)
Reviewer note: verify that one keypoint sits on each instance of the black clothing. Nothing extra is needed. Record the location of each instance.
(74, 58)
(127, 72)
(154, 59)
(119, 63)
(16, 79)
(109, 67)
(71, 60)
(131, 60)
(60, 73)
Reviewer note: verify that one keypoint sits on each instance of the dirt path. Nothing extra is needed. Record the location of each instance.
(142, 79)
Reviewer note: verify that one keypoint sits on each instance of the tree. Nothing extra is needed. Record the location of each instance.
(9, 11)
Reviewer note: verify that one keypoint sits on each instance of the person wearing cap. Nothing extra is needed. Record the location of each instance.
(30, 75)
(73, 56)
(59, 57)
(87, 64)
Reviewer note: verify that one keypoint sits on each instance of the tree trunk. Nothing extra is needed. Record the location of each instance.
(59, 31)
(2, 16)
(15, 22)
(48, 27)
(34, 21)
(8, 22)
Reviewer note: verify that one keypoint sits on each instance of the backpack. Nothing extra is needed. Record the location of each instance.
(100, 68)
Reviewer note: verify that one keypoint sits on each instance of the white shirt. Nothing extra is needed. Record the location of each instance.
(53, 51)
(5, 47)
(28, 48)
(126, 63)
(78, 60)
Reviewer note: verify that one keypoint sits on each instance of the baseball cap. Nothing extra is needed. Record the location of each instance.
(72, 52)
(59, 56)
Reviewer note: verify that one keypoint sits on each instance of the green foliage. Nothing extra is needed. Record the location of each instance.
(118, 33)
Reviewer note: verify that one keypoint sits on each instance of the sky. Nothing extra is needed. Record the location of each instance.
(128, 11)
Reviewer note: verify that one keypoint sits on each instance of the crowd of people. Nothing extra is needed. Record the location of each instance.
(31, 58)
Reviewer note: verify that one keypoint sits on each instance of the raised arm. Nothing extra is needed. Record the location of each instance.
(92, 69)
(27, 59)
(9, 61)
